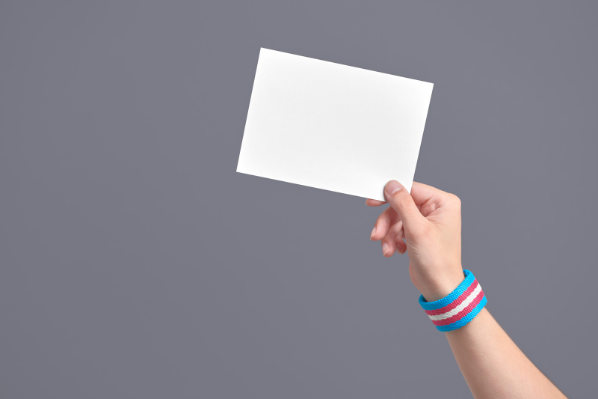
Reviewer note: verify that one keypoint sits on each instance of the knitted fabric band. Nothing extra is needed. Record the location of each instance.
(457, 308)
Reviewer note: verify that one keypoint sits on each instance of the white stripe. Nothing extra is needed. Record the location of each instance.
(461, 306)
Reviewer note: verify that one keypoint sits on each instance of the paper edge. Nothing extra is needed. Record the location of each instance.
(345, 65)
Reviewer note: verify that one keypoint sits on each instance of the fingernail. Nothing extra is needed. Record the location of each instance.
(373, 231)
(392, 187)
(384, 248)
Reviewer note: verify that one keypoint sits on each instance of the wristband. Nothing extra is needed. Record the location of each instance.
(457, 308)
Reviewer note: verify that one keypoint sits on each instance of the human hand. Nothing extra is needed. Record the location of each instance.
(427, 225)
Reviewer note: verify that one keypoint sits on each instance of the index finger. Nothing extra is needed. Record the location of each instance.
(422, 193)
(373, 202)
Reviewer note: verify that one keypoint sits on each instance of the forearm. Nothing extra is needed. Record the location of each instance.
(493, 366)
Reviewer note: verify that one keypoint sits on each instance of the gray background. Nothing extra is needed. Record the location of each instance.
(135, 262)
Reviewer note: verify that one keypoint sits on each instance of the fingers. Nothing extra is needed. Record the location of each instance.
(405, 220)
(373, 202)
(401, 247)
(402, 202)
(399, 237)
(390, 230)
(386, 219)
(400, 232)
(393, 240)
(388, 247)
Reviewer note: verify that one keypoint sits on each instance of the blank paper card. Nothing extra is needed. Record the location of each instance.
(332, 126)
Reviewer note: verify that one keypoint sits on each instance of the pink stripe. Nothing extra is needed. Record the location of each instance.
(462, 313)
(456, 302)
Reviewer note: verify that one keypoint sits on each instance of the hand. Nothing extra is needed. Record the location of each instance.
(427, 225)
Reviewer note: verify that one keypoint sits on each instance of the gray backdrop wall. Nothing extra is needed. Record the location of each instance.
(135, 262)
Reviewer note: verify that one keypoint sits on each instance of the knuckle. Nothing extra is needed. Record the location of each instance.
(455, 200)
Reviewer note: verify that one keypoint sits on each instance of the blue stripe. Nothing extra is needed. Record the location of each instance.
(466, 319)
(469, 279)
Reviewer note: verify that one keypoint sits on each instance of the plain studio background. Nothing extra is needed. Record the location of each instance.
(135, 262)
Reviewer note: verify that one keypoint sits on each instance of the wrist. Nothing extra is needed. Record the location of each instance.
(457, 308)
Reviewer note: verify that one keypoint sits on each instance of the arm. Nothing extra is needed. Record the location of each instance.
(427, 225)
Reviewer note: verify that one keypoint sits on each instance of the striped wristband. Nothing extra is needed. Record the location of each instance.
(457, 308)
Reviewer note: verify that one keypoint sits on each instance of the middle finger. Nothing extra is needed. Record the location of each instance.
(383, 223)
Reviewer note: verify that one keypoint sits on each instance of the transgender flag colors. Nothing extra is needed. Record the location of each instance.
(457, 308)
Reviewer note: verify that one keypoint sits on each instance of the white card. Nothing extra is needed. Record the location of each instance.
(332, 126)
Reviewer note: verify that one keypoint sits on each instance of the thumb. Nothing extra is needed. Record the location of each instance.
(402, 202)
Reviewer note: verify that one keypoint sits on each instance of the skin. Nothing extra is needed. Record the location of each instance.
(426, 224)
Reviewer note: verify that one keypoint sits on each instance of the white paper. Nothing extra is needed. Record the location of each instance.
(332, 126)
